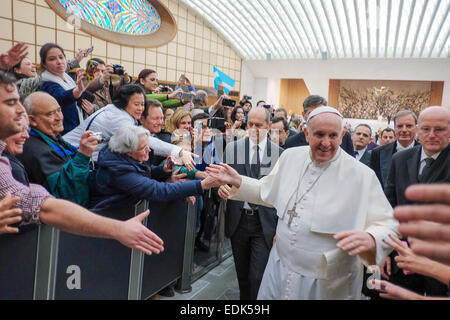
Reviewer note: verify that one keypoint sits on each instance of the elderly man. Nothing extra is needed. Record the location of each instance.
(51, 161)
(38, 206)
(324, 231)
(405, 122)
(428, 163)
(311, 103)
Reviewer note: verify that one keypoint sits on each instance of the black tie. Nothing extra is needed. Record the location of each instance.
(255, 163)
(426, 170)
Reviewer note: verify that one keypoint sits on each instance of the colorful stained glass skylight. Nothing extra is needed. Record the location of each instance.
(132, 17)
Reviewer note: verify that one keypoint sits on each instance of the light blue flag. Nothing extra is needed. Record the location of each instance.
(219, 77)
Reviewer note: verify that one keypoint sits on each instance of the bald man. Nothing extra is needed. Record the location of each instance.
(333, 215)
(49, 160)
(427, 163)
(251, 228)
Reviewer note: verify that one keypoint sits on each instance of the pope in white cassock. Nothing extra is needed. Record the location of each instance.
(333, 215)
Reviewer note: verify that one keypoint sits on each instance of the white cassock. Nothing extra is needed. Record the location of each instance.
(339, 195)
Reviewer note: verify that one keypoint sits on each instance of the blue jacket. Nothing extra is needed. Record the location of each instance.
(67, 102)
(122, 181)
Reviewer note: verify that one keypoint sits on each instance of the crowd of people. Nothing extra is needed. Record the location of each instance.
(307, 202)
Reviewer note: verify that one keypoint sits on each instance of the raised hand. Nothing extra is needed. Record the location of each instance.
(224, 174)
(13, 56)
(427, 226)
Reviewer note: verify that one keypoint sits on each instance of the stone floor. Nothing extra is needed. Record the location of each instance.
(220, 283)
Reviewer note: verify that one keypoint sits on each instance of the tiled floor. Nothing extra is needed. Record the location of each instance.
(219, 283)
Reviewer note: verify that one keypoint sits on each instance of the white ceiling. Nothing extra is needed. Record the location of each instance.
(332, 29)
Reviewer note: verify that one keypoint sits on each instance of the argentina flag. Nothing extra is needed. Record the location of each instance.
(219, 77)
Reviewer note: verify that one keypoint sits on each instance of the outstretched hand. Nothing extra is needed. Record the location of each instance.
(224, 174)
(135, 235)
(388, 290)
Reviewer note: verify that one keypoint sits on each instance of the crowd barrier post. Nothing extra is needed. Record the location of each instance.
(137, 262)
(184, 283)
(46, 263)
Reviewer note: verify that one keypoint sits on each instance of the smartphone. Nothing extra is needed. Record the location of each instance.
(228, 102)
(267, 106)
(164, 89)
(88, 51)
(247, 98)
(186, 96)
(199, 128)
(170, 163)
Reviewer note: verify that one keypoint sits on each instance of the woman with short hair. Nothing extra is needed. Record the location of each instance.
(123, 178)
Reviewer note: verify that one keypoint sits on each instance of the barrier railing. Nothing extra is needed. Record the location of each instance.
(46, 264)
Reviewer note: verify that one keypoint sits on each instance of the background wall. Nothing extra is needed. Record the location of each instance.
(317, 73)
(194, 50)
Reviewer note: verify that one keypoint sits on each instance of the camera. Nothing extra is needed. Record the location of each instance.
(247, 98)
(186, 96)
(267, 106)
(228, 102)
(164, 89)
(99, 137)
(217, 123)
(118, 69)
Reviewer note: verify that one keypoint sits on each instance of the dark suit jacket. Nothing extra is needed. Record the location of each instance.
(300, 140)
(366, 157)
(267, 216)
(405, 170)
(380, 160)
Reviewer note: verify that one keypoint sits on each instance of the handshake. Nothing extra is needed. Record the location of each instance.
(222, 176)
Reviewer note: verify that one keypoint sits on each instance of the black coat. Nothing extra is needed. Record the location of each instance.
(268, 216)
(405, 170)
(381, 158)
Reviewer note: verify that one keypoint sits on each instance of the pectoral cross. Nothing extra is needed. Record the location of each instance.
(292, 213)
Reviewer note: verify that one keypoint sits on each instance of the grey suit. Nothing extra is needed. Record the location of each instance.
(251, 235)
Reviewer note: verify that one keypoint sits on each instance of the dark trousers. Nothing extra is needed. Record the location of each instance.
(250, 253)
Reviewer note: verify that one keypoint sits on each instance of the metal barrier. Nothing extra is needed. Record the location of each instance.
(18, 264)
(46, 263)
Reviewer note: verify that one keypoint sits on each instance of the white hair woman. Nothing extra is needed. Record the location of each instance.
(123, 177)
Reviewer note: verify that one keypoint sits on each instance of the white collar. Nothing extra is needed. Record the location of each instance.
(262, 144)
(424, 156)
(361, 152)
(400, 147)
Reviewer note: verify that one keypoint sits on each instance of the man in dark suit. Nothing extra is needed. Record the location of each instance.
(251, 228)
(427, 163)
(361, 139)
(311, 103)
(405, 124)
